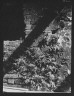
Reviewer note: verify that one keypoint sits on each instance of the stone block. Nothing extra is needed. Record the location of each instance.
(10, 81)
(11, 76)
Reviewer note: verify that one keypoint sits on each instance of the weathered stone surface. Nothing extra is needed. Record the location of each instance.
(5, 80)
(17, 81)
(11, 76)
(11, 81)
(11, 85)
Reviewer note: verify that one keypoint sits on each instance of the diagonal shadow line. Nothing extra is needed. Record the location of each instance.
(49, 15)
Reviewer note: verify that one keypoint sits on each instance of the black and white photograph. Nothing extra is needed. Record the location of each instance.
(37, 46)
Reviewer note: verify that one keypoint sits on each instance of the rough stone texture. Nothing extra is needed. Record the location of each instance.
(11, 81)
(17, 81)
(11, 85)
(11, 76)
(4, 80)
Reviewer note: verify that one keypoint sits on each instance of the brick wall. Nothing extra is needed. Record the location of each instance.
(12, 79)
